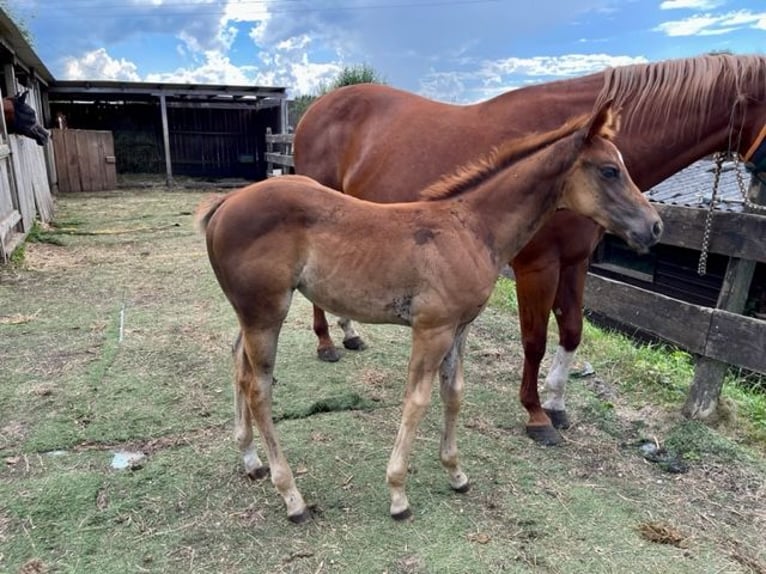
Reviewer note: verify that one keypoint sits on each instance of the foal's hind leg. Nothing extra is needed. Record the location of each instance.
(254, 379)
(243, 422)
(568, 312)
(451, 390)
(429, 347)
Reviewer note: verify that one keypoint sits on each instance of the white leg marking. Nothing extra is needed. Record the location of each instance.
(348, 328)
(555, 382)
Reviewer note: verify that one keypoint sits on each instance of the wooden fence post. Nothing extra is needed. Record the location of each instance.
(704, 394)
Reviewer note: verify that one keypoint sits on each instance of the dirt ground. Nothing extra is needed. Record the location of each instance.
(117, 342)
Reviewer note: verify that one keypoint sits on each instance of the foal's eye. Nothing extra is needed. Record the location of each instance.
(610, 172)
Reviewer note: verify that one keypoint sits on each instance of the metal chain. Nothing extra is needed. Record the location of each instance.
(702, 267)
(743, 190)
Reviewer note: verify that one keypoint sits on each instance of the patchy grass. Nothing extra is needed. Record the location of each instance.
(119, 339)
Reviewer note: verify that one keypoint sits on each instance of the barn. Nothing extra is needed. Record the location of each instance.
(26, 168)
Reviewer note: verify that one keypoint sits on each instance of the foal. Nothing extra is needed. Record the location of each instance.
(430, 264)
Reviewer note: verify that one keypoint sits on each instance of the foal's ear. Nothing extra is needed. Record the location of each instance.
(605, 122)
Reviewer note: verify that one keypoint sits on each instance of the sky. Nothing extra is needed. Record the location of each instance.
(457, 51)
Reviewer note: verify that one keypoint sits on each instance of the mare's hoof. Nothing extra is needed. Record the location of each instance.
(301, 517)
(355, 344)
(545, 435)
(463, 489)
(328, 355)
(258, 473)
(559, 419)
(403, 515)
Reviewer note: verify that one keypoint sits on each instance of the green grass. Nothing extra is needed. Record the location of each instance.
(73, 393)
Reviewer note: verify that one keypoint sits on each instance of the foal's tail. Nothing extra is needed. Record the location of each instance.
(206, 209)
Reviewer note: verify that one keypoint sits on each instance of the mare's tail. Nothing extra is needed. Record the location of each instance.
(206, 209)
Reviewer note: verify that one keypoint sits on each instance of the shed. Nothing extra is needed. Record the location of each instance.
(211, 131)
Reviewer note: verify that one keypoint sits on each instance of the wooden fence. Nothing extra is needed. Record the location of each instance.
(719, 336)
(279, 151)
(85, 160)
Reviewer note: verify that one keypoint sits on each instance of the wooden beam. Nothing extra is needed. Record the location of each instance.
(681, 323)
(166, 141)
(740, 235)
(280, 159)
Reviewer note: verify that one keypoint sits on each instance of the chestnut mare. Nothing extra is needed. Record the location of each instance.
(381, 144)
(20, 118)
(429, 264)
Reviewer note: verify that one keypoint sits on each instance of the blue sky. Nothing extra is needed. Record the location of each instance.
(452, 50)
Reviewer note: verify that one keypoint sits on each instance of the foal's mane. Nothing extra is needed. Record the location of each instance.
(685, 88)
(477, 171)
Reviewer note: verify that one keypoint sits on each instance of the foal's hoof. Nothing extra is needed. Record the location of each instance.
(301, 517)
(355, 344)
(559, 419)
(544, 435)
(258, 473)
(402, 515)
(462, 489)
(328, 354)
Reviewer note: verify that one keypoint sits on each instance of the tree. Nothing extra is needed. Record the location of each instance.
(348, 76)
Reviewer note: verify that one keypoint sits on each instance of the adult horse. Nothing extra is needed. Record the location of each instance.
(381, 144)
(20, 118)
(429, 264)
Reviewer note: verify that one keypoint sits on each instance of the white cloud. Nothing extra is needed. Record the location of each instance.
(216, 68)
(710, 25)
(690, 4)
(566, 65)
(99, 65)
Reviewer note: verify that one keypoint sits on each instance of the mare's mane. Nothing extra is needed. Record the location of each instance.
(684, 88)
(500, 157)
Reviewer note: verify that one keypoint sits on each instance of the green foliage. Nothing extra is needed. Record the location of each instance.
(504, 296)
(348, 76)
(18, 19)
(356, 74)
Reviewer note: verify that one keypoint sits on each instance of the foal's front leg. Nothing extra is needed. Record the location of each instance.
(429, 347)
(451, 390)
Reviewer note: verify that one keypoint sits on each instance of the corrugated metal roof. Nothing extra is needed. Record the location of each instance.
(693, 187)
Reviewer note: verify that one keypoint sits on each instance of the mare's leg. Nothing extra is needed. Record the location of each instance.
(351, 339)
(567, 309)
(243, 422)
(326, 350)
(451, 390)
(535, 290)
(429, 347)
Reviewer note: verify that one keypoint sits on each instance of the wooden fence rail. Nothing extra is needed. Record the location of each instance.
(721, 335)
(279, 151)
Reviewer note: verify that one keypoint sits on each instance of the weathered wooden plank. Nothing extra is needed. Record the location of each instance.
(279, 138)
(737, 340)
(280, 159)
(681, 323)
(110, 165)
(740, 235)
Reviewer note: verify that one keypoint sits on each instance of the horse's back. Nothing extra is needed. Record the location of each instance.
(358, 138)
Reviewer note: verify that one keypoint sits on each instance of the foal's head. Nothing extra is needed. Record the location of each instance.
(600, 187)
